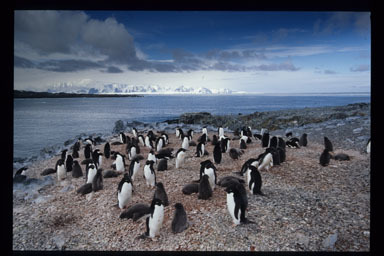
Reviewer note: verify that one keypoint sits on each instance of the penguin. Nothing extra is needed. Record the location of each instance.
(180, 221)
(47, 171)
(235, 153)
(266, 162)
(205, 131)
(154, 222)
(151, 136)
(252, 161)
(89, 141)
(151, 156)
(165, 137)
(123, 138)
(85, 189)
(293, 143)
(97, 182)
(368, 146)
(161, 194)
(217, 153)
(220, 131)
(69, 163)
(237, 203)
(205, 190)
(64, 154)
(185, 143)
(87, 151)
(265, 140)
(215, 140)
(281, 153)
(162, 165)
(120, 162)
(210, 170)
(203, 138)
(254, 180)
(76, 170)
(180, 157)
(342, 157)
(190, 188)
(228, 180)
(110, 174)
(76, 146)
(107, 150)
(200, 149)
(75, 153)
(178, 132)
(160, 143)
(257, 136)
(124, 191)
(136, 212)
(164, 153)
(149, 173)
(228, 144)
(243, 141)
(325, 157)
(60, 169)
(90, 173)
(281, 143)
(134, 132)
(148, 142)
(20, 175)
(132, 152)
(303, 140)
(288, 134)
(190, 133)
(273, 142)
(328, 144)
(275, 155)
(141, 140)
(97, 158)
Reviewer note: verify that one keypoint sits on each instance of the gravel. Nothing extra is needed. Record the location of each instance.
(307, 207)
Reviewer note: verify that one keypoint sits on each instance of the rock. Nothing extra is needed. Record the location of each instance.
(357, 130)
(302, 239)
(59, 240)
(193, 118)
(330, 241)
(67, 188)
(119, 126)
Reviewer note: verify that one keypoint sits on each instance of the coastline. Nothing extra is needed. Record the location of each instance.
(306, 207)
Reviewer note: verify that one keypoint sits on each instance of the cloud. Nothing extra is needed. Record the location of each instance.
(113, 69)
(360, 68)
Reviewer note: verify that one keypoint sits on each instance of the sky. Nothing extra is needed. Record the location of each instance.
(255, 51)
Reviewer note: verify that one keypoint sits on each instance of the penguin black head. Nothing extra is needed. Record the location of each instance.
(160, 185)
(179, 206)
(156, 201)
(60, 161)
(149, 162)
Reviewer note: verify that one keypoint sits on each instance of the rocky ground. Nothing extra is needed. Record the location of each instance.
(307, 207)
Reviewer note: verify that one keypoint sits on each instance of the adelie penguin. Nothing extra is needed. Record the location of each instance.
(154, 221)
(185, 143)
(20, 175)
(90, 172)
(265, 140)
(134, 132)
(325, 157)
(273, 142)
(162, 165)
(303, 140)
(97, 182)
(149, 174)
(200, 149)
(180, 157)
(228, 180)
(123, 138)
(190, 189)
(107, 150)
(119, 162)
(180, 221)
(205, 190)
(243, 142)
(217, 153)
(328, 144)
(266, 162)
(252, 161)
(60, 170)
(87, 151)
(124, 191)
(254, 180)
(69, 163)
(237, 203)
(136, 212)
(161, 194)
(76, 170)
(207, 168)
(235, 153)
(134, 168)
(151, 156)
(160, 143)
(97, 158)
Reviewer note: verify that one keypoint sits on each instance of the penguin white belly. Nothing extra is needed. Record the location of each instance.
(252, 186)
(185, 144)
(124, 196)
(211, 175)
(141, 141)
(91, 175)
(156, 222)
(231, 208)
(266, 164)
(180, 159)
(152, 157)
(221, 132)
(228, 146)
(159, 145)
(149, 177)
(147, 143)
(248, 176)
(132, 153)
(119, 165)
(134, 133)
(135, 170)
(100, 160)
(61, 172)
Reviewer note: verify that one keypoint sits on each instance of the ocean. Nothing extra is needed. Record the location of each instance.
(42, 126)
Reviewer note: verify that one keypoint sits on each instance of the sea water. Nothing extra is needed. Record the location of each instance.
(47, 123)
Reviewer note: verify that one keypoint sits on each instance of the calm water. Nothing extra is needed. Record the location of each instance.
(41, 123)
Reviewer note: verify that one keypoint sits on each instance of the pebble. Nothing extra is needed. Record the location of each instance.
(357, 130)
(330, 241)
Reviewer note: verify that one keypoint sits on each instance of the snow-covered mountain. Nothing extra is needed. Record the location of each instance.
(92, 87)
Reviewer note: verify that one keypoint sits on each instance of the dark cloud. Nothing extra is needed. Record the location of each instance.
(68, 65)
(113, 69)
(21, 62)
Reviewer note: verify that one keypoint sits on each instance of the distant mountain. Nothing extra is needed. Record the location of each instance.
(116, 88)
